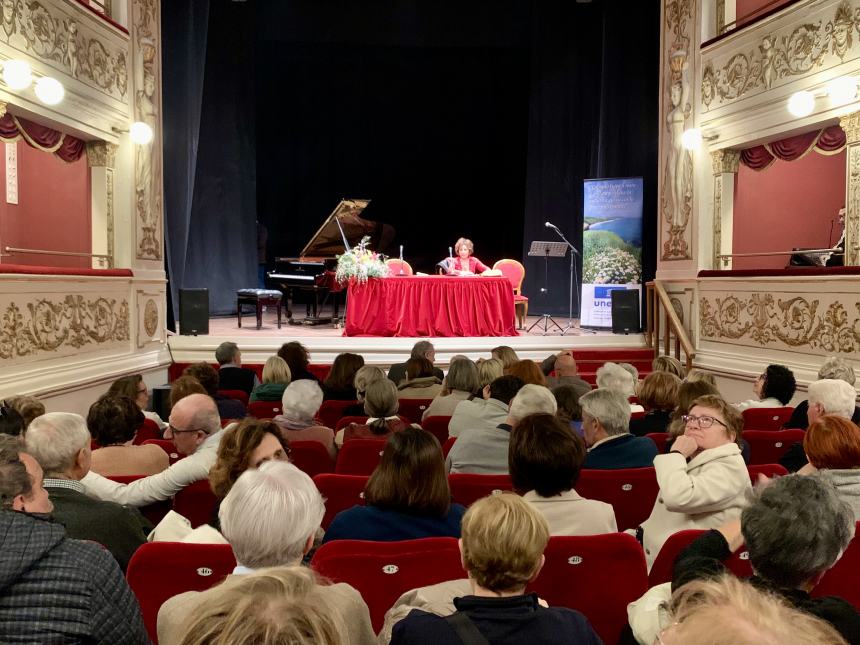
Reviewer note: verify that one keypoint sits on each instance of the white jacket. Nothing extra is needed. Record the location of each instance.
(702, 494)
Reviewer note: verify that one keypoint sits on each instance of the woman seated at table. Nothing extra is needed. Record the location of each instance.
(465, 263)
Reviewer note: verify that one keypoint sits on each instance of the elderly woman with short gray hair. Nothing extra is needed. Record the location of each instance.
(605, 428)
(834, 367)
(461, 383)
(301, 402)
(612, 376)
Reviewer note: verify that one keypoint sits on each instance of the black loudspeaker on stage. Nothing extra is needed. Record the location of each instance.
(193, 312)
(625, 311)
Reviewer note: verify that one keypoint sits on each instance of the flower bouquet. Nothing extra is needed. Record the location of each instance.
(360, 263)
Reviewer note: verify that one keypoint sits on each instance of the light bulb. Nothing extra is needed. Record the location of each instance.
(49, 90)
(17, 74)
(691, 139)
(140, 133)
(842, 90)
(801, 103)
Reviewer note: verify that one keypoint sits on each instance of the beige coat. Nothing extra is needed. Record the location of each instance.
(427, 387)
(570, 514)
(702, 494)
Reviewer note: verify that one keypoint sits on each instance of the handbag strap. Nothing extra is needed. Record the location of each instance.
(466, 629)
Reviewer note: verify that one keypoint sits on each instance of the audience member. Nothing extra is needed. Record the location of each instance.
(420, 382)
(483, 450)
(696, 374)
(489, 369)
(834, 368)
(670, 364)
(231, 374)
(299, 406)
(488, 412)
(113, 422)
(297, 357)
(460, 384)
(566, 373)
(182, 387)
(195, 429)
(276, 378)
(688, 392)
(29, 407)
(505, 354)
(11, 422)
(380, 405)
(773, 389)
(60, 442)
(605, 422)
(787, 557)
(55, 589)
(208, 377)
(659, 394)
(545, 459)
(528, 372)
(363, 377)
(832, 445)
(569, 411)
(502, 551)
(407, 495)
(271, 606)
(133, 387)
(703, 480)
(421, 349)
(270, 517)
(339, 385)
(634, 374)
(611, 376)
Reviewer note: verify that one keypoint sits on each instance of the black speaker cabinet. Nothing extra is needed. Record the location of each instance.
(625, 311)
(194, 312)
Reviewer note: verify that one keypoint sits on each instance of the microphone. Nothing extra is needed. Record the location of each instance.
(450, 252)
(550, 225)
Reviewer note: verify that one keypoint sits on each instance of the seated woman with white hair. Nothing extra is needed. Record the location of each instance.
(834, 368)
(363, 377)
(270, 518)
(380, 406)
(461, 383)
(301, 402)
(611, 376)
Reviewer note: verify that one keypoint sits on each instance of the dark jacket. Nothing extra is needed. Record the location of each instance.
(381, 525)
(331, 394)
(120, 529)
(268, 392)
(800, 416)
(502, 621)
(698, 561)
(397, 373)
(230, 408)
(653, 421)
(625, 452)
(57, 590)
(236, 378)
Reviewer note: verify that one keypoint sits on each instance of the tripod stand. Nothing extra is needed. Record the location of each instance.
(547, 250)
(574, 282)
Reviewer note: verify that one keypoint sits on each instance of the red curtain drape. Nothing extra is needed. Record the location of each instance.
(830, 140)
(65, 146)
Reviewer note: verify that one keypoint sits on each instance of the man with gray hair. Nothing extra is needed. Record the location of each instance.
(606, 429)
(60, 442)
(54, 589)
(421, 349)
(484, 451)
(231, 374)
(270, 517)
(195, 428)
(834, 368)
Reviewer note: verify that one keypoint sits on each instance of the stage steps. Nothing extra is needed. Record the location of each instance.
(588, 360)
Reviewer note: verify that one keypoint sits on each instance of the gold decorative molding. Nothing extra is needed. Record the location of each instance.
(101, 154)
(718, 221)
(850, 124)
(109, 211)
(721, 17)
(150, 317)
(46, 326)
(852, 207)
(725, 160)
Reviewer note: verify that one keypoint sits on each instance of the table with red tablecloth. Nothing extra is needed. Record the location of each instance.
(431, 306)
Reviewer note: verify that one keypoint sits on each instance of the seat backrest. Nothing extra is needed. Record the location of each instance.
(345, 421)
(154, 512)
(412, 409)
(399, 267)
(238, 395)
(331, 411)
(196, 502)
(264, 409)
(766, 418)
(467, 488)
(446, 447)
(148, 430)
(438, 427)
(382, 571)
(359, 456)
(661, 571)
(160, 570)
(167, 446)
(768, 446)
(768, 470)
(631, 492)
(311, 457)
(660, 439)
(597, 575)
(841, 580)
(513, 270)
(637, 415)
(340, 493)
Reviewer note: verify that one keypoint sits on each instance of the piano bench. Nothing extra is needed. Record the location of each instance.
(258, 298)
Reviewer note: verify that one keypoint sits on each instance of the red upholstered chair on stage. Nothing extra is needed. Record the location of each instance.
(340, 492)
(239, 395)
(160, 570)
(167, 446)
(196, 502)
(399, 267)
(630, 491)
(412, 409)
(359, 456)
(330, 412)
(768, 446)
(766, 418)
(437, 426)
(659, 438)
(768, 470)
(382, 571)
(597, 575)
(661, 571)
(264, 409)
(148, 430)
(446, 447)
(515, 272)
(467, 489)
(311, 457)
(841, 580)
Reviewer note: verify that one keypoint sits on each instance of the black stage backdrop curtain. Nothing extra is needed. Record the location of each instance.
(476, 118)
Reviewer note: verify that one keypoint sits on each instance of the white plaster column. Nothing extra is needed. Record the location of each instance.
(725, 167)
(850, 123)
(101, 158)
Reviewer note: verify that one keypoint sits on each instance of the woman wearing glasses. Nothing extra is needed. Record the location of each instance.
(703, 480)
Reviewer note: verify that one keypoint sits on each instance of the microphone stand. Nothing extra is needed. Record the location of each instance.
(574, 280)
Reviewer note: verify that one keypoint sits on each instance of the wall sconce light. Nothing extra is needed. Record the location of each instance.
(49, 90)
(139, 132)
(801, 103)
(692, 138)
(17, 74)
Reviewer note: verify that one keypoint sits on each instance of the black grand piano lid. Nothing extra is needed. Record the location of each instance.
(327, 241)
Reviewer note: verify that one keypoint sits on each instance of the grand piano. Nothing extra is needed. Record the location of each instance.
(312, 272)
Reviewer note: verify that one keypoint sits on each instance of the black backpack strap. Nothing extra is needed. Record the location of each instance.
(466, 629)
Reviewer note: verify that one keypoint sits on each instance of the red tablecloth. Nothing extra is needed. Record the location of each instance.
(431, 306)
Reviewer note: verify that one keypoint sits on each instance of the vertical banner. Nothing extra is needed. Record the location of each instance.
(611, 245)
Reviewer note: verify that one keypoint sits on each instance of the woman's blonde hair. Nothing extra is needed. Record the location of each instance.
(276, 370)
(489, 369)
(745, 615)
(505, 354)
(273, 606)
(464, 241)
(503, 539)
(669, 364)
(364, 377)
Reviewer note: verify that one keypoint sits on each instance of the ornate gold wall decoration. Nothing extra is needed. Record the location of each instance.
(110, 226)
(852, 207)
(150, 317)
(718, 222)
(46, 325)
(101, 153)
